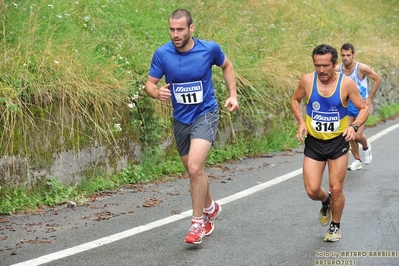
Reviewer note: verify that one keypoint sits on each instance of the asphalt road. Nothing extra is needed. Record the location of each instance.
(267, 219)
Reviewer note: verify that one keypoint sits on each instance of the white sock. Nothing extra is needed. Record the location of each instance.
(197, 220)
(211, 208)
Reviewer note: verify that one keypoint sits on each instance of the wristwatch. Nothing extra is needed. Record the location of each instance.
(356, 128)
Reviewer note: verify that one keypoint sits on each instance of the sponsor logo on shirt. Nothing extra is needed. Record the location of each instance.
(187, 89)
(324, 117)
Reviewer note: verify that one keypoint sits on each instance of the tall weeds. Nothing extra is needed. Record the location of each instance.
(75, 66)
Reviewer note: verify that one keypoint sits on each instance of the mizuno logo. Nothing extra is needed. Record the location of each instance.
(188, 89)
(319, 117)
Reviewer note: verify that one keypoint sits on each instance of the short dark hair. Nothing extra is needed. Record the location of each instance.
(348, 46)
(179, 13)
(323, 49)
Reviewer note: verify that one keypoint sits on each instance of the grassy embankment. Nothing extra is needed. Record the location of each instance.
(91, 57)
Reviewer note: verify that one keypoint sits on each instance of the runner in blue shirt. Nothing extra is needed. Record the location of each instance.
(186, 63)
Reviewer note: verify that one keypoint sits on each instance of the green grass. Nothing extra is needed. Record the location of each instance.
(386, 112)
(74, 66)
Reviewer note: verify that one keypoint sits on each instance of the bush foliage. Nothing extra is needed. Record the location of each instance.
(80, 66)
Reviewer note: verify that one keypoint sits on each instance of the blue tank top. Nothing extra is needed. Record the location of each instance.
(190, 77)
(326, 116)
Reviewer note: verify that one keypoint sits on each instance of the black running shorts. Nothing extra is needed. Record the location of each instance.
(205, 127)
(321, 150)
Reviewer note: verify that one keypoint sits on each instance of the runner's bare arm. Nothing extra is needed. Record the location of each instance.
(229, 77)
(296, 107)
(365, 70)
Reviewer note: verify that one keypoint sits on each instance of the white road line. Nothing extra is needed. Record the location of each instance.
(259, 187)
(134, 231)
(382, 133)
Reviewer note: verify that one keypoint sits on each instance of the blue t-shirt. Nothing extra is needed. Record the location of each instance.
(190, 77)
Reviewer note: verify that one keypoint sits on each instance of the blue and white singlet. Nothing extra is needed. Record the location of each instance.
(361, 86)
(361, 83)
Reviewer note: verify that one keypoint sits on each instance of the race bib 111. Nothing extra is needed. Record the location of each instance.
(189, 92)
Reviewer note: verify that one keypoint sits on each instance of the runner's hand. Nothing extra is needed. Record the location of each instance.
(164, 93)
(302, 132)
(349, 133)
(231, 104)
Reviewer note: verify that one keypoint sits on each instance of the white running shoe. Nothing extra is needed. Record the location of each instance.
(368, 157)
(356, 165)
(333, 234)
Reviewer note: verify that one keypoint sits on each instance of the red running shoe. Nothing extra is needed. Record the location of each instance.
(209, 219)
(196, 233)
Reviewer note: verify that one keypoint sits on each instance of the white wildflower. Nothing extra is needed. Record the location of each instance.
(131, 105)
(118, 127)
